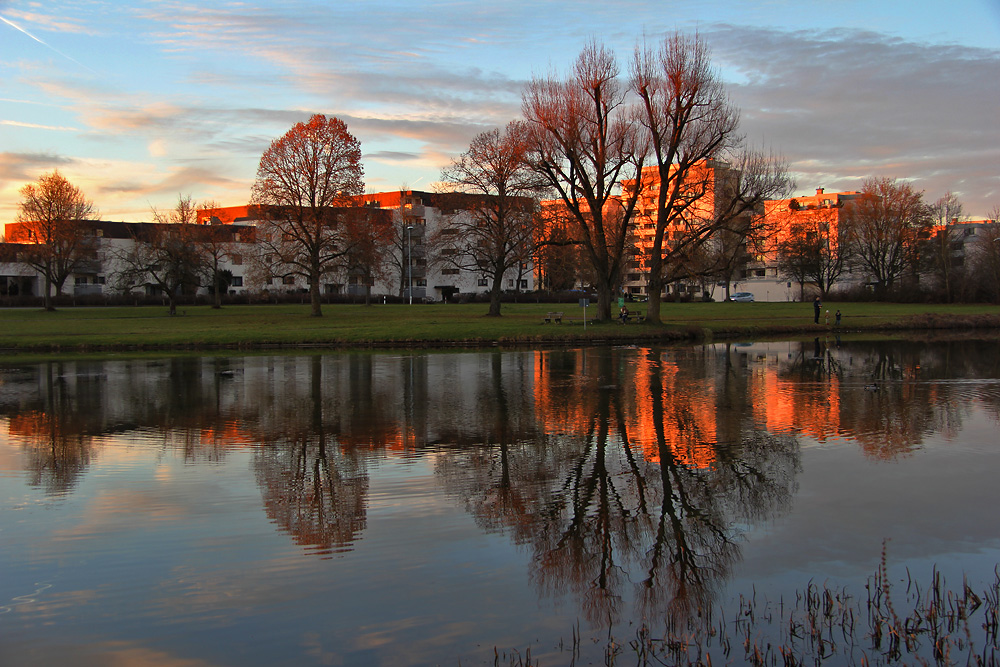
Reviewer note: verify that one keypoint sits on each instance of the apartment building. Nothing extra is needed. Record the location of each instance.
(426, 257)
(101, 260)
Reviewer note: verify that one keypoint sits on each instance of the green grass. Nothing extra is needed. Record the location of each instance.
(146, 327)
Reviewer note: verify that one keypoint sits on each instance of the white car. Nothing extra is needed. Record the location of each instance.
(745, 297)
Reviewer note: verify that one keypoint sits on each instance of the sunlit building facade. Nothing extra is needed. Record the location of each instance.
(100, 260)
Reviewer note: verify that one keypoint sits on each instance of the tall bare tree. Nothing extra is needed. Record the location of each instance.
(886, 222)
(688, 119)
(496, 228)
(50, 214)
(302, 178)
(944, 245)
(584, 141)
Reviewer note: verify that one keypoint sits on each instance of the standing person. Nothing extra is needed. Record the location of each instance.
(817, 306)
(837, 315)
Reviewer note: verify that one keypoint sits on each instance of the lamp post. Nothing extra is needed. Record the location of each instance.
(409, 263)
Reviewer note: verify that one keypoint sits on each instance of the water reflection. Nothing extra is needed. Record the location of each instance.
(630, 474)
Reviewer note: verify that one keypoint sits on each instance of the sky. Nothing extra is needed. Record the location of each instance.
(138, 103)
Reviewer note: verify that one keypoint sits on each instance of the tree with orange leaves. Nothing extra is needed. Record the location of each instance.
(304, 177)
(50, 215)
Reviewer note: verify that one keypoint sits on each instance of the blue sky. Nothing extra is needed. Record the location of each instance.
(139, 102)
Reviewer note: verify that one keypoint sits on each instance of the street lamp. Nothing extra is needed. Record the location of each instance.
(409, 263)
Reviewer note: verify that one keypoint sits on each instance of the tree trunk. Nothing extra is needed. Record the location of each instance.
(47, 299)
(316, 309)
(217, 303)
(495, 291)
(314, 277)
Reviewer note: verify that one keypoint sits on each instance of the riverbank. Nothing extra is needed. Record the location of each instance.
(451, 325)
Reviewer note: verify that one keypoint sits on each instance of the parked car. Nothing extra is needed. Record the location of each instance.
(745, 297)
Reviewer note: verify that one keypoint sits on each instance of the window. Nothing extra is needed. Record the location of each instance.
(524, 284)
(288, 280)
(423, 282)
(81, 280)
(510, 283)
(449, 272)
(237, 259)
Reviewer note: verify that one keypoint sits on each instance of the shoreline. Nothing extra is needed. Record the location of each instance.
(116, 329)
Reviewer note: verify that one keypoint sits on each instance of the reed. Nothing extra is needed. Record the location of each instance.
(929, 624)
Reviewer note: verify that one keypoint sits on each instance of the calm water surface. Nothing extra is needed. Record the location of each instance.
(425, 508)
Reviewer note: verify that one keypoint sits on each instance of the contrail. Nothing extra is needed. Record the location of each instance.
(48, 46)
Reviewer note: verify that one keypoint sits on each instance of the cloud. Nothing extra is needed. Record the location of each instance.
(392, 155)
(36, 126)
(27, 166)
(846, 104)
(180, 180)
(48, 22)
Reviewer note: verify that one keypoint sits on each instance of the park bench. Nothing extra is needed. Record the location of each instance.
(552, 317)
(635, 316)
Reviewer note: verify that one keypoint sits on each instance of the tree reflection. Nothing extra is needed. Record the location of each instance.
(313, 488)
(53, 424)
(639, 496)
(629, 474)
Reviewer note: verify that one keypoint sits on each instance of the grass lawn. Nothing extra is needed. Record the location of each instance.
(66, 329)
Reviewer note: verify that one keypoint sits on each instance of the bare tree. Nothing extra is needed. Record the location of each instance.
(50, 214)
(799, 256)
(689, 120)
(218, 243)
(944, 245)
(168, 254)
(302, 178)
(742, 232)
(583, 142)
(369, 239)
(814, 244)
(399, 256)
(496, 230)
(886, 222)
(986, 257)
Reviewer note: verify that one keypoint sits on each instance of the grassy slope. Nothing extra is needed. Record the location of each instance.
(251, 326)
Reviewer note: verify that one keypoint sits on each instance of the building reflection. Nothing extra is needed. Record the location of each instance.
(628, 473)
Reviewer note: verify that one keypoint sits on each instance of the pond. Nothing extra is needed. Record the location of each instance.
(555, 507)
